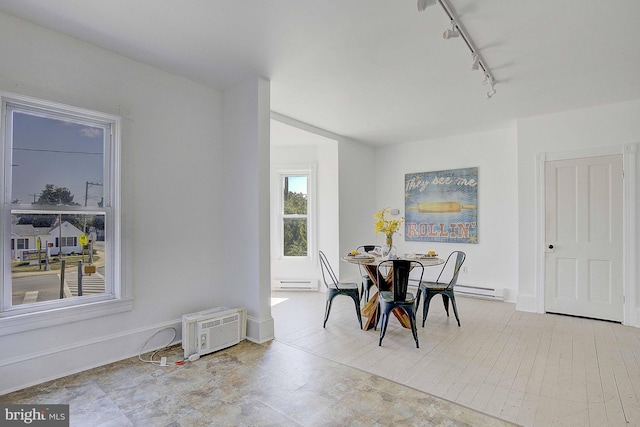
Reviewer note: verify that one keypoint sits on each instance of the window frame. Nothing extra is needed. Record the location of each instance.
(310, 172)
(118, 292)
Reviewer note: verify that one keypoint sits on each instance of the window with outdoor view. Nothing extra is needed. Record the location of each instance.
(295, 209)
(60, 212)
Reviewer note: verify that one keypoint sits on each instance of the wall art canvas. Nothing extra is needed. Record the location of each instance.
(442, 206)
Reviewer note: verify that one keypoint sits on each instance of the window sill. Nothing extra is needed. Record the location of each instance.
(29, 321)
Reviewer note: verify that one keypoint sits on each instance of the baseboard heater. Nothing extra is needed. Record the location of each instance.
(211, 330)
(480, 292)
(295, 285)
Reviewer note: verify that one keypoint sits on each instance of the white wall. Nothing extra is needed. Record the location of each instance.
(293, 147)
(347, 175)
(244, 206)
(357, 202)
(493, 262)
(172, 174)
(604, 126)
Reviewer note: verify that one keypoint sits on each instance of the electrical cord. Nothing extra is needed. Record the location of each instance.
(162, 362)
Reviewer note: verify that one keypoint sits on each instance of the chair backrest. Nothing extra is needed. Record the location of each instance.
(400, 275)
(327, 271)
(459, 259)
(367, 248)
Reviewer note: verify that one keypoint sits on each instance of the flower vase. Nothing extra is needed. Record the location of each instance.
(387, 249)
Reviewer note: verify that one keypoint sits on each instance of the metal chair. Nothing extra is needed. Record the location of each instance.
(428, 290)
(398, 297)
(335, 288)
(367, 283)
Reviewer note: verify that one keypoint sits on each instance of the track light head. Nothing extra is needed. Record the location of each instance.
(450, 34)
(488, 80)
(475, 65)
(453, 32)
(423, 4)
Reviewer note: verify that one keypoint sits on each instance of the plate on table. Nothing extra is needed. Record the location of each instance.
(426, 256)
(363, 256)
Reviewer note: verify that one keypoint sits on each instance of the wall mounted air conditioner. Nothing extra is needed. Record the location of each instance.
(211, 330)
(479, 292)
(294, 285)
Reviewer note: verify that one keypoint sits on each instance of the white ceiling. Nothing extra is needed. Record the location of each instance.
(377, 71)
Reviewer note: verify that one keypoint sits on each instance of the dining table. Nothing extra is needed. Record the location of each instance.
(384, 282)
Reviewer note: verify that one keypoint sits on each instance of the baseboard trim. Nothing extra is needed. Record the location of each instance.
(635, 318)
(526, 303)
(39, 367)
(260, 331)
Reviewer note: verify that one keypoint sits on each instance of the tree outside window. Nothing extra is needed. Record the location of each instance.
(295, 215)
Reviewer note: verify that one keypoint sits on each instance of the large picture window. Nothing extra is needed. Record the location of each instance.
(60, 212)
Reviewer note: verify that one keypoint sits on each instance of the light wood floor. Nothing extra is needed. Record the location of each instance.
(530, 369)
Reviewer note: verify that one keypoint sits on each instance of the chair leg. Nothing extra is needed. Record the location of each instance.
(455, 308)
(356, 300)
(425, 306)
(383, 328)
(414, 329)
(445, 301)
(327, 310)
(418, 295)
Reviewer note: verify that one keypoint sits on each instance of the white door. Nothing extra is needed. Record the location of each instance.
(583, 261)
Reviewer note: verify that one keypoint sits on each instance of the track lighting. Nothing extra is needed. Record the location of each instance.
(458, 30)
(452, 33)
(488, 80)
(475, 65)
(423, 4)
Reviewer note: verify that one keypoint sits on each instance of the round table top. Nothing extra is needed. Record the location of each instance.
(368, 259)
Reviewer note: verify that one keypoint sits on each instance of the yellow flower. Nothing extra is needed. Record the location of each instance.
(386, 226)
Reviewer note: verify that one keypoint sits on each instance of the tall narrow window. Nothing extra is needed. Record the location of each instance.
(295, 206)
(61, 208)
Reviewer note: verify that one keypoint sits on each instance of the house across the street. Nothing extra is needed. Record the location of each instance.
(24, 239)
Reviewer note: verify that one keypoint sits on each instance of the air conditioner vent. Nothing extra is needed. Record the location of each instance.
(212, 330)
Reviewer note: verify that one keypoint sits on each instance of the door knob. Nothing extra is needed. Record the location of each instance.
(550, 246)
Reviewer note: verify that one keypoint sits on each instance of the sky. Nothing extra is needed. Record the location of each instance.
(59, 152)
(298, 184)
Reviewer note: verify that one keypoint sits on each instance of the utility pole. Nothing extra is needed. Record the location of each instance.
(86, 197)
(86, 190)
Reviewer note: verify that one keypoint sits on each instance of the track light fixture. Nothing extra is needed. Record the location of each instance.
(452, 33)
(475, 65)
(423, 4)
(457, 30)
(488, 80)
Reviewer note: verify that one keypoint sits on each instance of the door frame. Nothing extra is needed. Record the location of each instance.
(628, 152)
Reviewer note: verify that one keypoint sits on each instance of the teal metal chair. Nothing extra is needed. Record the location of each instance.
(398, 297)
(335, 288)
(428, 290)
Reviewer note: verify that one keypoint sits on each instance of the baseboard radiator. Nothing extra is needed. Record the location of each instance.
(211, 330)
(479, 292)
(294, 285)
